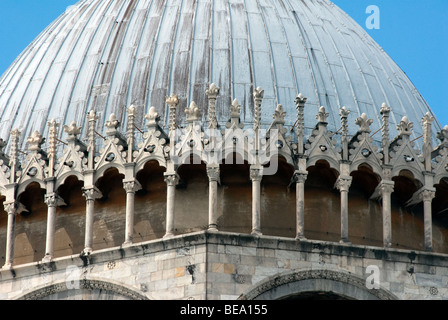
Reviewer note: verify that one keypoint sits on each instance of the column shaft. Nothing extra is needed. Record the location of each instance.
(427, 195)
(213, 176)
(90, 194)
(52, 200)
(171, 180)
(387, 187)
(256, 173)
(343, 184)
(131, 187)
(10, 209)
(300, 178)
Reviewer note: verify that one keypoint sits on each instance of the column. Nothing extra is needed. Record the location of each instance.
(171, 180)
(11, 210)
(213, 176)
(131, 187)
(343, 185)
(90, 194)
(256, 173)
(300, 178)
(387, 187)
(53, 201)
(427, 195)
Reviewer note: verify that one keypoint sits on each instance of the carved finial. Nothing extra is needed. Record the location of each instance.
(112, 125)
(300, 106)
(384, 109)
(152, 117)
(91, 116)
(279, 115)
(427, 140)
(443, 135)
(300, 101)
(322, 115)
(53, 135)
(405, 126)
(132, 111)
(235, 109)
(172, 101)
(343, 113)
(258, 94)
(212, 92)
(35, 141)
(192, 112)
(14, 160)
(72, 131)
(427, 121)
(364, 123)
(258, 98)
(2, 145)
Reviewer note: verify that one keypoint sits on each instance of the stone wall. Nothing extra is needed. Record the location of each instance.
(229, 266)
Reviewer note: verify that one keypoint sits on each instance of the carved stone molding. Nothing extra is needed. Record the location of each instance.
(53, 200)
(256, 174)
(343, 183)
(171, 179)
(10, 207)
(84, 284)
(91, 193)
(387, 187)
(131, 186)
(296, 276)
(427, 195)
(213, 173)
(300, 176)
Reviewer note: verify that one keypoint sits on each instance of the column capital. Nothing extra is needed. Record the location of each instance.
(387, 186)
(91, 193)
(10, 207)
(53, 200)
(427, 194)
(256, 173)
(171, 179)
(343, 183)
(213, 173)
(131, 186)
(300, 176)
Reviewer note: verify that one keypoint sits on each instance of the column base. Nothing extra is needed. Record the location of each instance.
(7, 266)
(48, 258)
(387, 244)
(300, 238)
(256, 233)
(127, 243)
(345, 241)
(212, 228)
(168, 235)
(87, 251)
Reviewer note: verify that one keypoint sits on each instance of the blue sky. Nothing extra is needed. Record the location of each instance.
(413, 32)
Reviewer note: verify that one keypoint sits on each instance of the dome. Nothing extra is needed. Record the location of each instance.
(107, 55)
(114, 193)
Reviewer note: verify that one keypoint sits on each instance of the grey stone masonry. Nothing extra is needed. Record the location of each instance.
(218, 265)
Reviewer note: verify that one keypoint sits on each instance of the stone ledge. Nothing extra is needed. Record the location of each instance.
(205, 238)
